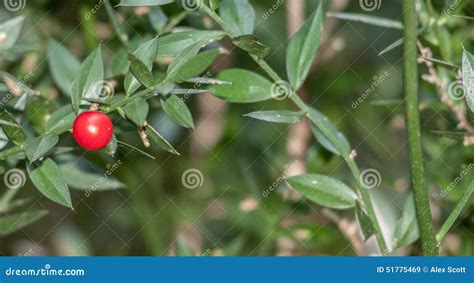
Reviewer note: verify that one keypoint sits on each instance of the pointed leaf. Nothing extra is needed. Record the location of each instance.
(12, 129)
(172, 44)
(303, 47)
(146, 53)
(330, 132)
(406, 229)
(180, 62)
(88, 79)
(138, 3)
(37, 147)
(238, 16)
(324, 190)
(249, 43)
(368, 19)
(196, 65)
(177, 110)
(468, 78)
(48, 179)
(244, 86)
(10, 31)
(137, 111)
(365, 223)
(321, 138)
(63, 66)
(159, 140)
(140, 71)
(61, 120)
(287, 117)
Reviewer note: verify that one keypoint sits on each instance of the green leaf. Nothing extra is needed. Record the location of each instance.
(196, 65)
(365, 223)
(112, 146)
(37, 147)
(61, 120)
(12, 129)
(287, 117)
(238, 16)
(63, 66)
(244, 86)
(172, 44)
(123, 144)
(48, 179)
(180, 62)
(140, 71)
(406, 230)
(303, 47)
(10, 30)
(17, 221)
(146, 53)
(177, 110)
(137, 3)
(159, 140)
(468, 78)
(324, 190)
(137, 111)
(330, 132)
(88, 80)
(367, 19)
(249, 43)
(323, 140)
(214, 4)
(82, 175)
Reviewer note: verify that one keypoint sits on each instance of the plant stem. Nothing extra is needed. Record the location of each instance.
(455, 213)
(425, 223)
(11, 151)
(304, 107)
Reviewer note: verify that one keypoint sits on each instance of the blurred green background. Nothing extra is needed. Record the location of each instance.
(239, 158)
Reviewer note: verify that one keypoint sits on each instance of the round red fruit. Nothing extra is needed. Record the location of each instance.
(92, 130)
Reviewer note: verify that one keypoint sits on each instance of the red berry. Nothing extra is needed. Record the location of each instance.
(92, 130)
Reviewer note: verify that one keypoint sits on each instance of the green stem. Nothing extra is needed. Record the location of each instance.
(126, 100)
(304, 107)
(455, 213)
(6, 198)
(11, 151)
(425, 223)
